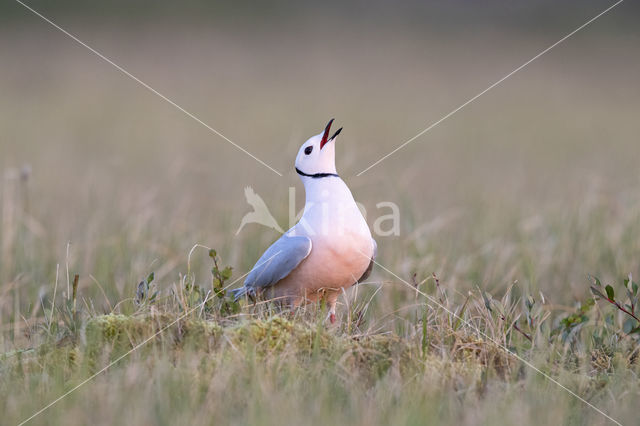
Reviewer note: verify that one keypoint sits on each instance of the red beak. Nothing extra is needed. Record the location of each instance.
(325, 136)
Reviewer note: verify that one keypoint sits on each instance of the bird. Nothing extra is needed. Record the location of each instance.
(260, 213)
(329, 249)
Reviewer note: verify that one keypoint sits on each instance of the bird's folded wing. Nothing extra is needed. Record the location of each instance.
(278, 261)
(366, 273)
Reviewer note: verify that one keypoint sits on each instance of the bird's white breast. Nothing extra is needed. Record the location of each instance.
(341, 241)
(330, 210)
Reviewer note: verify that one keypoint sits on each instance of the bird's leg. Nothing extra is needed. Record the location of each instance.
(331, 316)
(252, 297)
(332, 299)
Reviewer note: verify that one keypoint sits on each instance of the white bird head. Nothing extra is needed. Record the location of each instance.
(317, 156)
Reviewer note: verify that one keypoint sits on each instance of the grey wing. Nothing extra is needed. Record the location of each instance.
(278, 261)
(370, 267)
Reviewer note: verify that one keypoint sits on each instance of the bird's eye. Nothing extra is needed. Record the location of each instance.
(308, 150)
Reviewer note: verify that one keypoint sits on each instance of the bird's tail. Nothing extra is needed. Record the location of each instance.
(239, 293)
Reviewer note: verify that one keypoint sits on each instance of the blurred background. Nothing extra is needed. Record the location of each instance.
(535, 182)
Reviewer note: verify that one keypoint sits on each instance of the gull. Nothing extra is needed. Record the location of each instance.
(328, 250)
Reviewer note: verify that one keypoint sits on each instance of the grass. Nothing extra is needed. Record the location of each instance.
(508, 212)
(185, 357)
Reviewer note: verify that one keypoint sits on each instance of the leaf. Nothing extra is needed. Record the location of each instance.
(150, 278)
(627, 327)
(597, 292)
(628, 282)
(608, 318)
(487, 300)
(587, 305)
(141, 292)
(529, 302)
(610, 293)
(226, 273)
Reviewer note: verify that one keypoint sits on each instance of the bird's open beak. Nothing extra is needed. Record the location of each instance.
(325, 136)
